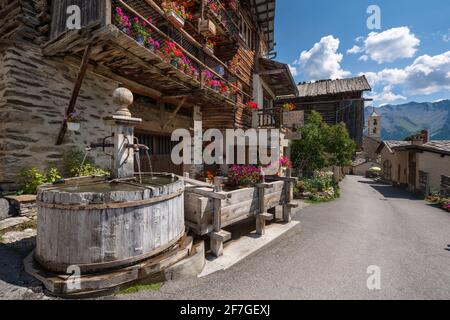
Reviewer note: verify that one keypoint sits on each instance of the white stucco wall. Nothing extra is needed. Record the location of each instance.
(435, 165)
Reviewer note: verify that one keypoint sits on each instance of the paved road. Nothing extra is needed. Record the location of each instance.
(328, 257)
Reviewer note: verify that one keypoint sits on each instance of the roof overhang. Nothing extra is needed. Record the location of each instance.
(278, 77)
(265, 13)
(422, 148)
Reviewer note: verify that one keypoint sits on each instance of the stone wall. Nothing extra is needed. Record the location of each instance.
(34, 103)
(25, 20)
(35, 91)
(34, 95)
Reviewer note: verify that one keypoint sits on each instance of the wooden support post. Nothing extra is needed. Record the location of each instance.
(218, 236)
(75, 92)
(218, 184)
(262, 216)
(287, 208)
(174, 113)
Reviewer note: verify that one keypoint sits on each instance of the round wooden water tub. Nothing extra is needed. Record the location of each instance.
(97, 225)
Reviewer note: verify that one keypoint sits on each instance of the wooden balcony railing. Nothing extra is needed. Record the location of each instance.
(225, 17)
(270, 118)
(175, 46)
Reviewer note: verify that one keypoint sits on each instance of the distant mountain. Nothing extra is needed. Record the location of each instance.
(401, 121)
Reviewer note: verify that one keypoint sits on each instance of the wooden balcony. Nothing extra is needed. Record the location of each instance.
(225, 18)
(270, 118)
(120, 53)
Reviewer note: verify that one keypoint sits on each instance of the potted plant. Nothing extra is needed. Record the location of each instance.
(122, 21)
(176, 13)
(252, 105)
(209, 47)
(141, 31)
(285, 164)
(172, 53)
(73, 121)
(152, 44)
(287, 107)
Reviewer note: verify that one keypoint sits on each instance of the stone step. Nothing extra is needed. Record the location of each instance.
(10, 223)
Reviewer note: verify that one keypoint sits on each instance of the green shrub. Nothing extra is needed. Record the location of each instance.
(72, 163)
(32, 178)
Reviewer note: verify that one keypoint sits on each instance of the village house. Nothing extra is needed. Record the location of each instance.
(337, 101)
(202, 62)
(419, 165)
(368, 157)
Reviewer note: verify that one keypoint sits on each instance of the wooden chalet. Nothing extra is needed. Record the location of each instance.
(340, 100)
(223, 49)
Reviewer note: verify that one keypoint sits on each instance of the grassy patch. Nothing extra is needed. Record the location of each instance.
(1, 238)
(141, 287)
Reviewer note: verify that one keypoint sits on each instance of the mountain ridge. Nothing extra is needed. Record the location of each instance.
(402, 120)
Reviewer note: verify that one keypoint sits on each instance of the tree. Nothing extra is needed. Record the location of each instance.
(308, 154)
(321, 145)
(339, 145)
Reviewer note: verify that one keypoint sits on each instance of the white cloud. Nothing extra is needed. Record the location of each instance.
(293, 70)
(364, 58)
(354, 50)
(446, 37)
(386, 96)
(322, 61)
(389, 45)
(426, 75)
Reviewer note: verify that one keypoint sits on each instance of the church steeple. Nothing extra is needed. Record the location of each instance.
(375, 125)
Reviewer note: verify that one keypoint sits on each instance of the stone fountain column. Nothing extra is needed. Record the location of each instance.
(123, 128)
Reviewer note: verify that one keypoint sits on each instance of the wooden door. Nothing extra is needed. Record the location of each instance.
(160, 153)
(412, 167)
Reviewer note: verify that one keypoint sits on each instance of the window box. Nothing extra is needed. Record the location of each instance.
(175, 19)
(207, 28)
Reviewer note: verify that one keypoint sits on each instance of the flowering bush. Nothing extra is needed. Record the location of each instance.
(320, 188)
(252, 105)
(178, 8)
(436, 198)
(285, 162)
(244, 175)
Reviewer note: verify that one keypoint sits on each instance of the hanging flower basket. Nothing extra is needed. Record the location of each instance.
(73, 126)
(175, 19)
(73, 121)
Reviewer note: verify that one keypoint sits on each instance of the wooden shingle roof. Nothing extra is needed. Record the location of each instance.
(330, 87)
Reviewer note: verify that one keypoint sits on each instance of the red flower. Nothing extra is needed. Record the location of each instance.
(252, 105)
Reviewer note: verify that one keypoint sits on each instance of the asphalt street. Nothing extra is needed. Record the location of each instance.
(372, 225)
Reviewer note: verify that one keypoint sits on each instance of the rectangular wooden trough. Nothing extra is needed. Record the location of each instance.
(208, 209)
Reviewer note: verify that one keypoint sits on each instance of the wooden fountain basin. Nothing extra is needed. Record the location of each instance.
(97, 225)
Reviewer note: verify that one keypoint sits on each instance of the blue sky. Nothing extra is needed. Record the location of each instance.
(408, 59)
